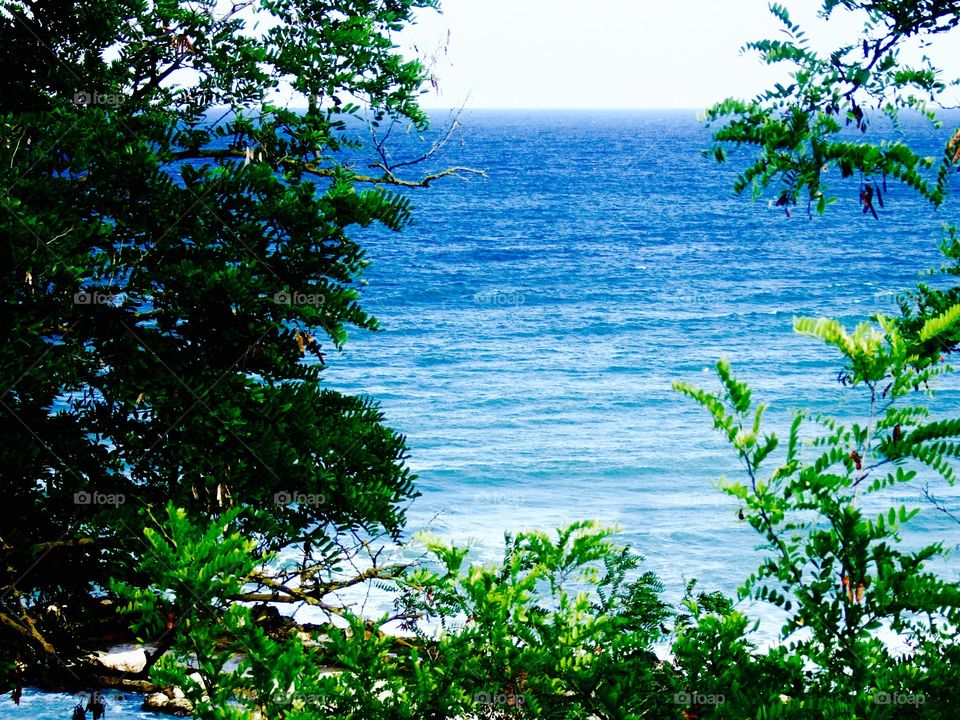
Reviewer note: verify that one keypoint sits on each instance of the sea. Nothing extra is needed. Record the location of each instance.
(534, 319)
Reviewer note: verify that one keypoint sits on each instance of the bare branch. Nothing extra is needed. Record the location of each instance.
(28, 630)
(389, 166)
(313, 169)
(938, 503)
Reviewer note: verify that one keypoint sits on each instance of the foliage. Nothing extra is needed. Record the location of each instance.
(802, 129)
(929, 301)
(558, 629)
(724, 673)
(170, 271)
(177, 260)
(210, 645)
(835, 565)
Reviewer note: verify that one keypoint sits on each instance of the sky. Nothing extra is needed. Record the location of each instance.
(605, 53)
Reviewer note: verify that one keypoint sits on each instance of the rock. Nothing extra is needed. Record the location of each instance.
(180, 706)
(130, 661)
(163, 703)
(153, 701)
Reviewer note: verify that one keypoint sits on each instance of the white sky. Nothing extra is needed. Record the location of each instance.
(606, 53)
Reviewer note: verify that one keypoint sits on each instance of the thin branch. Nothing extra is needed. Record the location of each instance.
(314, 169)
(436, 146)
(938, 503)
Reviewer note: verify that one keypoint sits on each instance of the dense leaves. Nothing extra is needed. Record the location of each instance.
(563, 626)
(816, 121)
(175, 268)
(834, 565)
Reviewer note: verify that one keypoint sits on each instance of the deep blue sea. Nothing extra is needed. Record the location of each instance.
(533, 323)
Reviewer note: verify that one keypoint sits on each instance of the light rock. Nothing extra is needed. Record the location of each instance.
(155, 700)
(163, 703)
(129, 661)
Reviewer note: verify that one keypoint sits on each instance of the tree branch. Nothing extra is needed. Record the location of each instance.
(313, 169)
(28, 631)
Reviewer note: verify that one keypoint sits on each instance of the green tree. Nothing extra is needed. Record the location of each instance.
(833, 561)
(829, 114)
(176, 260)
(562, 627)
(834, 564)
(195, 572)
(801, 128)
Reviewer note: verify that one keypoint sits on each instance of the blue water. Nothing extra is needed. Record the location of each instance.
(58, 706)
(534, 321)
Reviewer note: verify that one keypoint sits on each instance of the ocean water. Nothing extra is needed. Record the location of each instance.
(58, 706)
(533, 323)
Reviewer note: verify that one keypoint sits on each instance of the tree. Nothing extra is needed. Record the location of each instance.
(801, 128)
(833, 563)
(562, 626)
(177, 261)
(804, 129)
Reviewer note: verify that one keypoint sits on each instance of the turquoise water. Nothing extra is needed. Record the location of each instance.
(58, 706)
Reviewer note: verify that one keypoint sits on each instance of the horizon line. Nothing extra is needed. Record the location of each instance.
(569, 109)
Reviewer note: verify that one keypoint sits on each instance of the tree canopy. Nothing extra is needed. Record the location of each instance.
(177, 261)
(818, 117)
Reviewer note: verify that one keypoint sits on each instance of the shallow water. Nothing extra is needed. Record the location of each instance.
(59, 706)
